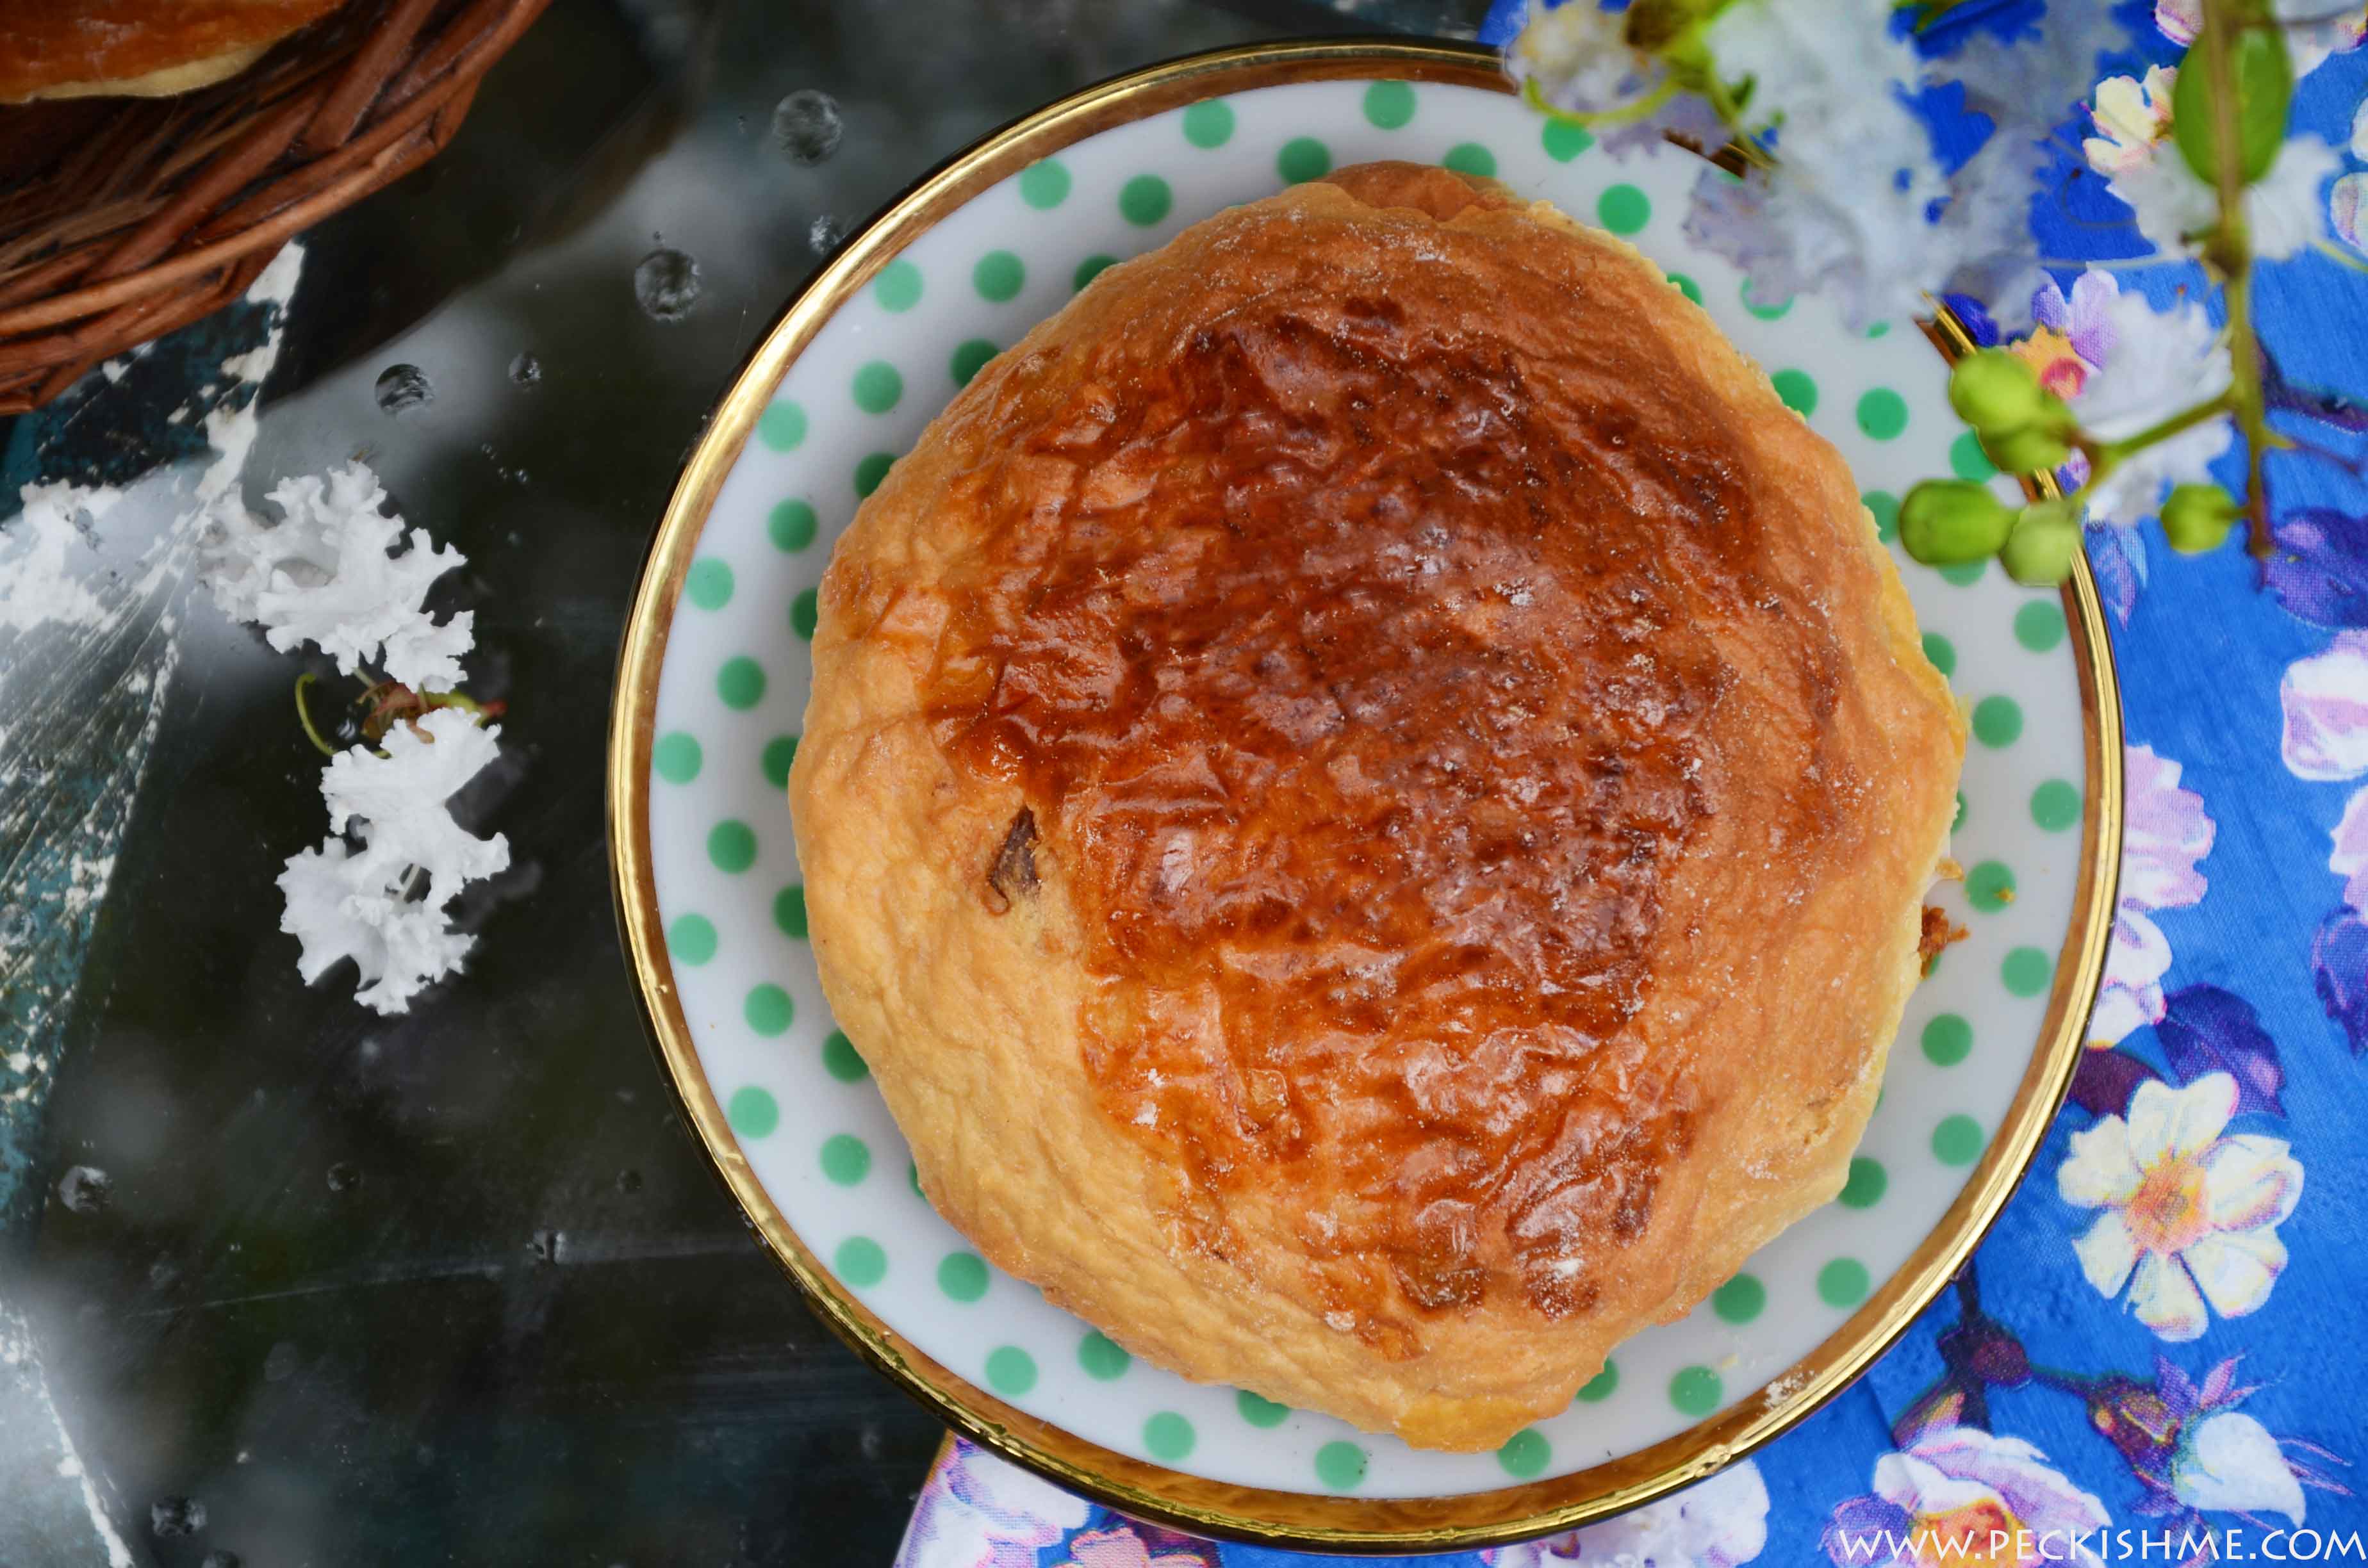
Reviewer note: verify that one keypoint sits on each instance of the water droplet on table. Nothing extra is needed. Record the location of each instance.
(86, 1189)
(344, 1177)
(177, 1516)
(549, 1247)
(807, 126)
(824, 233)
(666, 283)
(526, 370)
(403, 389)
(218, 1558)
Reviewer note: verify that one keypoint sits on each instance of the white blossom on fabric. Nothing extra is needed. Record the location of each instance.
(2190, 1211)
(2229, 1463)
(2132, 116)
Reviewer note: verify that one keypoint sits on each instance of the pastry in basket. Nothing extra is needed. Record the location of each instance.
(73, 49)
(1367, 797)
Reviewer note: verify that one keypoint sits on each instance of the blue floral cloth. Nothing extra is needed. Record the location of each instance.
(2156, 1356)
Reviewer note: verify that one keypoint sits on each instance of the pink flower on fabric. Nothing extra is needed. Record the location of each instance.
(975, 1511)
(2343, 207)
(2350, 860)
(2165, 836)
(1121, 1548)
(2070, 336)
(2325, 702)
(1961, 1495)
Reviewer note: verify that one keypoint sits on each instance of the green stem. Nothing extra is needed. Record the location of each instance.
(304, 717)
(453, 700)
(2164, 429)
(2054, 1377)
(2229, 251)
(1590, 120)
(1730, 114)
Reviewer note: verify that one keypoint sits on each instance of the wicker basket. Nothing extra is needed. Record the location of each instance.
(124, 217)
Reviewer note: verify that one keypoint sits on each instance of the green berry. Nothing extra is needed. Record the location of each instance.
(1950, 522)
(2031, 449)
(2197, 518)
(1995, 390)
(2039, 550)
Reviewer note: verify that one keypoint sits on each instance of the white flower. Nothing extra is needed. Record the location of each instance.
(2229, 1463)
(1579, 57)
(1847, 209)
(2165, 835)
(978, 1512)
(2190, 1216)
(361, 904)
(2130, 117)
(324, 576)
(2283, 214)
(2314, 28)
(1717, 1523)
(2024, 88)
(2325, 702)
(2158, 363)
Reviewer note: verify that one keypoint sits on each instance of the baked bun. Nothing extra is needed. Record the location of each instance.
(73, 48)
(1367, 798)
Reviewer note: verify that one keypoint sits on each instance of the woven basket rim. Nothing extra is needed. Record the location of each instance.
(340, 109)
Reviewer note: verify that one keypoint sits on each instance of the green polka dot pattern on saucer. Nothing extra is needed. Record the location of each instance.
(737, 915)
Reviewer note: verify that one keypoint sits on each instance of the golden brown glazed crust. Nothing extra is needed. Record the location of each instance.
(1366, 796)
(56, 48)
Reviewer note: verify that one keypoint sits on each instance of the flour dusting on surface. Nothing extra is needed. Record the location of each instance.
(36, 590)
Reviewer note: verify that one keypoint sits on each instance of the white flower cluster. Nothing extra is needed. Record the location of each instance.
(324, 576)
(379, 890)
(367, 904)
(1858, 204)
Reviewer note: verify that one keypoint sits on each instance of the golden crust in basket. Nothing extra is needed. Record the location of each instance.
(1367, 797)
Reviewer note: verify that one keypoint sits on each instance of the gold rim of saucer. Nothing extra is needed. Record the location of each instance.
(1134, 1487)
